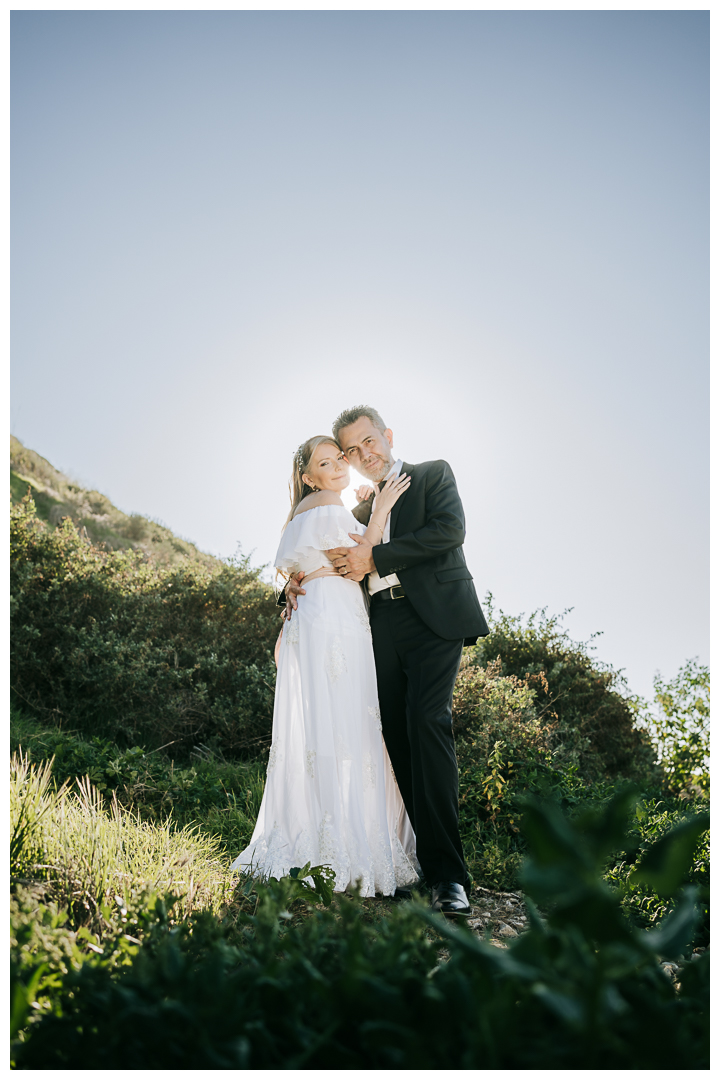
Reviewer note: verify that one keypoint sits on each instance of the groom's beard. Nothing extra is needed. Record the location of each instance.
(378, 471)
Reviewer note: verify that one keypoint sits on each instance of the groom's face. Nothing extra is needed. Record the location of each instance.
(367, 449)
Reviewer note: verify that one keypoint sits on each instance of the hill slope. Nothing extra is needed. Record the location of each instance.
(57, 497)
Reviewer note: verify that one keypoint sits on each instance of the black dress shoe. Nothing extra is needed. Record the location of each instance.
(449, 898)
(405, 892)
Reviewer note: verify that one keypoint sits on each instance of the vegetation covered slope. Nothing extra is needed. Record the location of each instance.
(114, 644)
(57, 497)
(147, 693)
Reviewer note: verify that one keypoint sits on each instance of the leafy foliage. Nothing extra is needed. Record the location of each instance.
(509, 745)
(112, 643)
(506, 748)
(681, 729)
(586, 702)
(264, 988)
(655, 818)
(133, 946)
(44, 948)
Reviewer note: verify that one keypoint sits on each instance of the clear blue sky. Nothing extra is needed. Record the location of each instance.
(493, 226)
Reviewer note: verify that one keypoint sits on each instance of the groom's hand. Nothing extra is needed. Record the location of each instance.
(355, 562)
(292, 591)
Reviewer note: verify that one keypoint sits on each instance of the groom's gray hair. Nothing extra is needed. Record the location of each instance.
(345, 419)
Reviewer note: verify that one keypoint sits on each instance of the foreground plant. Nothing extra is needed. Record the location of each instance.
(271, 989)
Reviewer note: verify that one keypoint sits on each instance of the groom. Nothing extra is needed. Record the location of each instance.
(423, 608)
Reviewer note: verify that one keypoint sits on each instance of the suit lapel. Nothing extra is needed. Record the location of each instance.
(397, 508)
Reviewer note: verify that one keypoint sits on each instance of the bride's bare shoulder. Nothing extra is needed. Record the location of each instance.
(318, 498)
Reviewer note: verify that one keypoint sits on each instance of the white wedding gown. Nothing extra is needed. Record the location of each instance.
(330, 795)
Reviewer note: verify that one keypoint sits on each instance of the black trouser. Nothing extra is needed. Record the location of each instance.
(416, 673)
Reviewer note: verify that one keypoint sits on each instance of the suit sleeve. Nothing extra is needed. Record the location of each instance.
(444, 527)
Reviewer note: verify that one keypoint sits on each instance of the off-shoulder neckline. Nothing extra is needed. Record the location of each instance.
(322, 506)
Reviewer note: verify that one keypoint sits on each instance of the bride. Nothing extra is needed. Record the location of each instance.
(330, 795)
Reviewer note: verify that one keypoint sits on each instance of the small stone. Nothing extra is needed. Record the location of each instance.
(507, 931)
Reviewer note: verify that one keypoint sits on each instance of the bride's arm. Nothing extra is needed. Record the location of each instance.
(384, 502)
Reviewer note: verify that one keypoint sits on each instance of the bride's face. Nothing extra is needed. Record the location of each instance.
(328, 469)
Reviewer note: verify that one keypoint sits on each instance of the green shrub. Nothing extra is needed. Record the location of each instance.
(506, 749)
(273, 990)
(44, 948)
(593, 718)
(655, 817)
(680, 729)
(508, 746)
(110, 644)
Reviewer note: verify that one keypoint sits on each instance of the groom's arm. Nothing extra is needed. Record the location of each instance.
(444, 527)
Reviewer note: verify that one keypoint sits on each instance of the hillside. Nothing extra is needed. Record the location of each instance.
(57, 497)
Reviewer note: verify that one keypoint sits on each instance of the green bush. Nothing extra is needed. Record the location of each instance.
(327, 990)
(584, 702)
(44, 948)
(681, 729)
(507, 748)
(110, 644)
(656, 817)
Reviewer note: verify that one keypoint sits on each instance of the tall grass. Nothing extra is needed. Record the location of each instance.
(221, 797)
(87, 853)
(32, 798)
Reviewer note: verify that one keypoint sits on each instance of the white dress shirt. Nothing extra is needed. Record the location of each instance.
(375, 582)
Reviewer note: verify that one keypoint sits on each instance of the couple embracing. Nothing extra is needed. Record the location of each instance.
(362, 774)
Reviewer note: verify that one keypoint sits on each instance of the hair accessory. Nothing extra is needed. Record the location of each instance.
(298, 457)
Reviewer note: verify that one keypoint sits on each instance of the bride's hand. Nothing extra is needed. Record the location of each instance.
(394, 488)
(363, 493)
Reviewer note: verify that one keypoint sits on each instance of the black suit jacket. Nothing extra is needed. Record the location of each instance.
(427, 531)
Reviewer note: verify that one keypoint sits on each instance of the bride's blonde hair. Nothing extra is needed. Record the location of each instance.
(298, 488)
(301, 459)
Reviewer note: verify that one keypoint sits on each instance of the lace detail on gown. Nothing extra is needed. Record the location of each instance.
(335, 664)
(374, 711)
(339, 539)
(275, 753)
